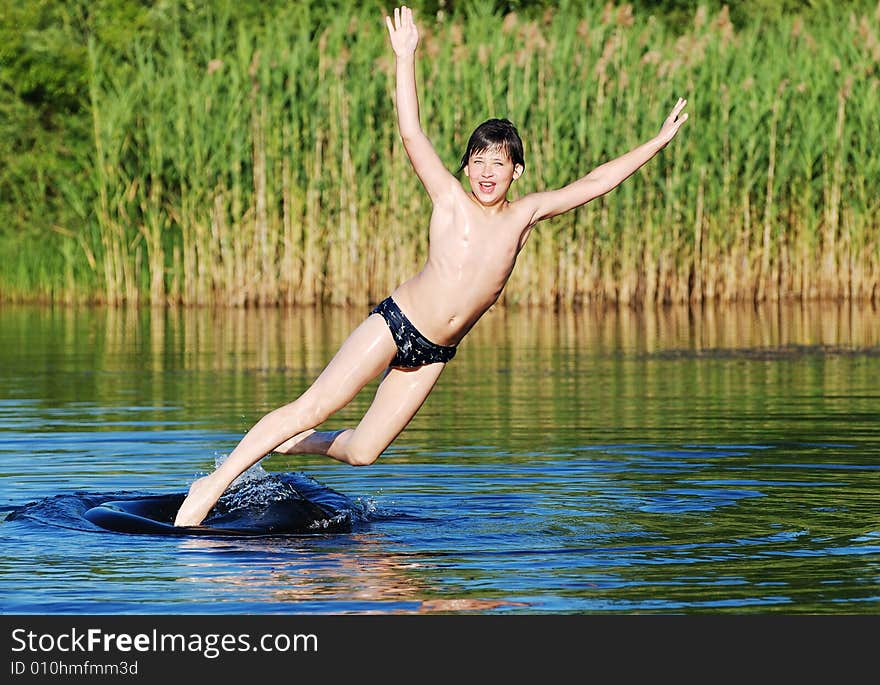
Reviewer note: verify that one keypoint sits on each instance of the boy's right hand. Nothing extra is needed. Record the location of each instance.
(403, 32)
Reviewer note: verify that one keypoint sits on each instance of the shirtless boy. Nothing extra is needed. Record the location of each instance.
(474, 240)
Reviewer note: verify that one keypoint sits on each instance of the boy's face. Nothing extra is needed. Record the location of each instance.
(490, 173)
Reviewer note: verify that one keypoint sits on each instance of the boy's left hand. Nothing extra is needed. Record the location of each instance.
(673, 123)
(403, 32)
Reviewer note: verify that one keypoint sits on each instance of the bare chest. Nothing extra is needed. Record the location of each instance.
(463, 237)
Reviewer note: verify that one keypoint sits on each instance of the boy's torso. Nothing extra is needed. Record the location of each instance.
(470, 258)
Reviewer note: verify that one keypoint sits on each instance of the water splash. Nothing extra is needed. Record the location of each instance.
(254, 473)
(368, 509)
(257, 487)
(254, 488)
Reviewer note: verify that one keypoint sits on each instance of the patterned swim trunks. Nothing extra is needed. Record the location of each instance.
(413, 348)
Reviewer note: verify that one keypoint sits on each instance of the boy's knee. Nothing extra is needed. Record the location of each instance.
(362, 456)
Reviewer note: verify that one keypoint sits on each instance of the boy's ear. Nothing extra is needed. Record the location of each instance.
(466, 172)
(517, 171)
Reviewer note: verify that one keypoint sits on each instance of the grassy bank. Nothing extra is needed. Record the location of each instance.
(258, 162)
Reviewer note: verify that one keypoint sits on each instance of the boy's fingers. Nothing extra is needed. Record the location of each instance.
(678, 107)
(397, 17)
(388, 24)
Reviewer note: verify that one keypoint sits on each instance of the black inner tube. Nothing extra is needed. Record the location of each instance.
(286, 503)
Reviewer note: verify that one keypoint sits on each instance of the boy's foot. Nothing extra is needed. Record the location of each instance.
(201, 497)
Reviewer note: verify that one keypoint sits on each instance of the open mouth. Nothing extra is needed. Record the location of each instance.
(487, 187)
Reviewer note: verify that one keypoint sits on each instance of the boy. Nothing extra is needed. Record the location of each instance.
(474, 240)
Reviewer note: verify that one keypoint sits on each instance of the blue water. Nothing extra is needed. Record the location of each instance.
(724, 461)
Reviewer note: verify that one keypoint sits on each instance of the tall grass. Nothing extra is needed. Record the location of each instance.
(262, 165)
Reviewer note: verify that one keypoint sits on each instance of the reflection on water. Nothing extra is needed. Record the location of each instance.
(228, 339)
(358, 574)
(77, 365)
(671, 460)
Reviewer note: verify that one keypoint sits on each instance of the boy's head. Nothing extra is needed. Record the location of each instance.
(495, 133)
(493, 160)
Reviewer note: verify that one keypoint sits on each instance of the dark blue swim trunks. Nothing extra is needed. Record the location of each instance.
(413, 348)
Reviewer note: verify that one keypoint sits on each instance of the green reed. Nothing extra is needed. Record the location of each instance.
(260, 164)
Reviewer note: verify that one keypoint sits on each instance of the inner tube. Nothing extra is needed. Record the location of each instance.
(291, 514)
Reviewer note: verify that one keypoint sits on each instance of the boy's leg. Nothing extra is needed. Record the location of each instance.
(362, 357)
(399, 396)
(311, 441)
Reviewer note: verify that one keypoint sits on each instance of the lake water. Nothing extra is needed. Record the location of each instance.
(719, 460)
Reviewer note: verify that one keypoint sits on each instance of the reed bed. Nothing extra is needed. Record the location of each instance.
(260, 164)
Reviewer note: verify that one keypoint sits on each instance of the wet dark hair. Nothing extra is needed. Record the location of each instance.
(495, 133)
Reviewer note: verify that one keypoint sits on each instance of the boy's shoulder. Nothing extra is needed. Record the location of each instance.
(524, 203)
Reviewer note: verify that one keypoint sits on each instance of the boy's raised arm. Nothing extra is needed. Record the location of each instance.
(607, 176)
(404, 35)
